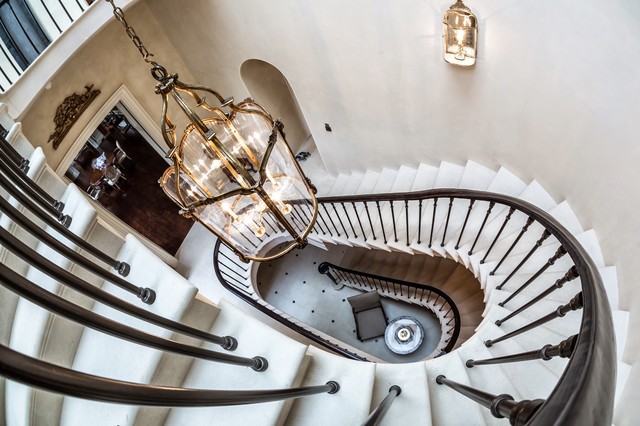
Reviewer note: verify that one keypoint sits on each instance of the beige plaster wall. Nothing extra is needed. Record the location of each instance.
(107, 61)
(555, 95)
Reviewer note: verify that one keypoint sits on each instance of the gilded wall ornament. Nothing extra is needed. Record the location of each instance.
(69, 111)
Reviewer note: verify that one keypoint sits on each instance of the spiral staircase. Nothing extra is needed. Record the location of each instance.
(490, 221)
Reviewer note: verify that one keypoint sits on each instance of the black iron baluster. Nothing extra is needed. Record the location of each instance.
(573, 305)
(335, 210)
(324, 221)
(433, 220)
(373, 232)
(558, 254)
(62, 307)
(464, 225)
(515, 242)
(419, 219)
(145, 294)
(384, 235)
(65, 10)
(537, 245)
(364, 236)
(446, 225)
(501, 406)
(406, 220)
(563, 349)
(122, 267)
(27, 185)
(42, 205)
(9, 59)
(569, 276)
(12, 156)
(330, 219)
(377, 415)
(393, 221)
(26, 33)
(495, 240)
(33, 372)
(484, 222)
(51, 16)
(355, 235)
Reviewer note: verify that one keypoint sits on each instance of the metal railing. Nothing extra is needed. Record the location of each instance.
(425, 296)
(490, 228)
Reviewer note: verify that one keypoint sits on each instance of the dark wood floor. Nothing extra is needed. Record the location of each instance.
(142, 204)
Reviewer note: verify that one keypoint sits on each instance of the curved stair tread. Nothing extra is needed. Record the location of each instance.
(425, 177)
(108, 356)
(286, 359)
(447, 406)
(356, 382)
(413, 405)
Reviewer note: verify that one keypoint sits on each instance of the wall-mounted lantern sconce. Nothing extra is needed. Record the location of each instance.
(460, 35)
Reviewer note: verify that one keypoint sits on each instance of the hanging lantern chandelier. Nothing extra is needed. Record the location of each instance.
(460, 35)
(233, 170)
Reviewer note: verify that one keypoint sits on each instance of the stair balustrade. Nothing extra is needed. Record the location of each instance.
(16, 174)
(573, 305)
(505, 227)
(9, 152)
(60, 223)
(60, 306)
(431, 298)
(40, 374)
(501, 406)
(33, 258)
(563, 349)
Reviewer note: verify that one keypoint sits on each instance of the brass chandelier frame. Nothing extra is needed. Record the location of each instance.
(169, 84)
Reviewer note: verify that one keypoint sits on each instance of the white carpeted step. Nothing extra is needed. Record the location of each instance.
(286, 362)
(533, 289)
(368, 182)
(621, 328)
(626, 397)
(530, 340)
(564, 214)
(338, 185)
(31, 328)
(349, 406)
(173, 368)
(355, 179)
(533, 379)
(5, 118)
(107, 356)
(51, 182)
(19, 141)
(412, 406)
(534, 194)
(567, 325)
(404, 179)
(476, 176)
(488, 378)
(449, 175)
(448, 407)
(425, 177)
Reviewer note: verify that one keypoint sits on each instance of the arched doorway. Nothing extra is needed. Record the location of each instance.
(269, 87)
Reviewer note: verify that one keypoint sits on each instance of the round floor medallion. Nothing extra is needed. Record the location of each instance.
(404, 335)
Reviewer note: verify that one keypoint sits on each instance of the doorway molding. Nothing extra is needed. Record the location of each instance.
(150, 131)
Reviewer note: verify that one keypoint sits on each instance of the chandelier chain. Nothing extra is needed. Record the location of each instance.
(119, 14)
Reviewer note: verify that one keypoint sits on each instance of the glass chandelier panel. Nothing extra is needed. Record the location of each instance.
(234, 173)
(460, 35)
